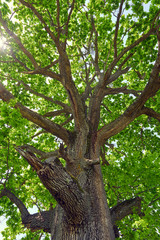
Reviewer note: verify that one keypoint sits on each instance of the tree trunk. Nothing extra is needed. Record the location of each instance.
(82, 211)
(97, 220)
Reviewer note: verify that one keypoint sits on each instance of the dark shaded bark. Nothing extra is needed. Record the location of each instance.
(125, 208)
(56, 222)
(38, 221)
(61, 184)
(23, 210)
(82, 201)
(79, 191)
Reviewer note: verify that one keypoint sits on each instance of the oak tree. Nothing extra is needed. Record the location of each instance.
(79, 119)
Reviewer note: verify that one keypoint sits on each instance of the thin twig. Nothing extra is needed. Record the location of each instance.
(117, 27)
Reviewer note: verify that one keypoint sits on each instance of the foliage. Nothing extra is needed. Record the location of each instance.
(133, 154)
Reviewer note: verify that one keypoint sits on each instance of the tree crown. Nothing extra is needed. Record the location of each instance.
(82, 71)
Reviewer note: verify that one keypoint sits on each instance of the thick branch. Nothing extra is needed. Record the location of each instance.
(151, 113)
(34, 222)
(23, 210)
(74, 96)
(96, 99)
(65, 190)
(38, 221)
(63, 187)
(36, 118)
(42, 154)
(125, 208)
(54, 113)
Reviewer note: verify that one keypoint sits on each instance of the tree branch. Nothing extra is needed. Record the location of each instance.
(63, 187)
(124, 51)
(58, 18)
(74, 97)
(23, 210)
(69, 16)
(20, 62)
(125, 208)
(44, 72)
(117, 27)
(117, 74)
(42, 154)
(35, 221)
(17, 40)
(36, 118)
(95, 61)
(38, 221)
(126, 59)
(98, 95)
(135, 109)
(54, 113)
(65, 107)
(122, 90)
(151, 113)
(30, 6)
(65, 71)
(67, 121)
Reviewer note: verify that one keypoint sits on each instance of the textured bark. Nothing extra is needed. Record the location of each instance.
(38, 221)
(55, 221)
(82, 211)
(125, 208)
(97, 223)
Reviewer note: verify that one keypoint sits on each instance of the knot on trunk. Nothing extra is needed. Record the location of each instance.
(45, 173)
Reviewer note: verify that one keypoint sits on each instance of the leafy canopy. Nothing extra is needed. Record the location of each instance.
(93, 37)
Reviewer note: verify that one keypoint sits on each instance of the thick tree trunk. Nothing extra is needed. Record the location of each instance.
(97, 220)
(82, 212)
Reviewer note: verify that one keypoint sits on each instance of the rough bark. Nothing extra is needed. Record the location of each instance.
(125, 208)
(82, 211)
(94, 226)
(81, 198)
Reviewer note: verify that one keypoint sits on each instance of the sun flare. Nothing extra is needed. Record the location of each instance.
(2, 42)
